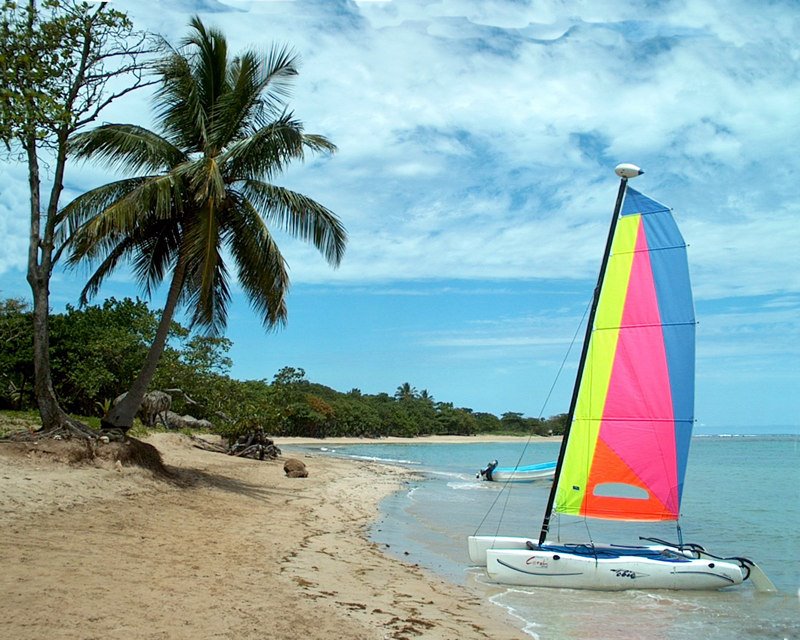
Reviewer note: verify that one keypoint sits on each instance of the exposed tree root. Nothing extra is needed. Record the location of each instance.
(67, 430)
(73, 442)
(81, 451)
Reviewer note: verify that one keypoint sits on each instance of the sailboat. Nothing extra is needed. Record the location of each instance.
(624, 452)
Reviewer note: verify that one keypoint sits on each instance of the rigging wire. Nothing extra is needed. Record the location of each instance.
(507, 485)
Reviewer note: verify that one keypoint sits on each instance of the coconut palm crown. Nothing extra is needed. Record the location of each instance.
(202, 190)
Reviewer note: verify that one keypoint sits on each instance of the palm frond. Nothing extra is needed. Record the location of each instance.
(207, 291)
(262, 270)
(299, 216)
(318, 143)
(127, 147)
(209, 62)
(257, 88)
(278, 73)
(179, 106)
(205, 181)
(152, 197)
(105, 268)
(151, 245)
(94, 202)
(236, 111)
(269, 151)
(264, 154)
(157, 246)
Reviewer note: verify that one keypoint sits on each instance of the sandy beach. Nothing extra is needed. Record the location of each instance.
(227, 548)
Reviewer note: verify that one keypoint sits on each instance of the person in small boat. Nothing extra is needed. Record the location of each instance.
(486, 473)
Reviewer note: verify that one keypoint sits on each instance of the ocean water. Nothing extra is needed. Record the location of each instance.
(741, 498)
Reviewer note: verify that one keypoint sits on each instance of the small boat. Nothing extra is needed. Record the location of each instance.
(624, 452)
(526, 473)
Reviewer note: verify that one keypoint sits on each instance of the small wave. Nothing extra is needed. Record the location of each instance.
(663, 600)
(379, 459)
(451, 474)
(469, 486)
(528, 626)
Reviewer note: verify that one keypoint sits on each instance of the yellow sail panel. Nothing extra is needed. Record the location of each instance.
(593, 388)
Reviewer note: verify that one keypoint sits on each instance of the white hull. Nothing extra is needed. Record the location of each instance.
(522, 475)
(560, 569)
(479, 545)
(509, 560)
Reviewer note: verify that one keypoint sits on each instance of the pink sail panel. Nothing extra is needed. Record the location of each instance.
(638, 420)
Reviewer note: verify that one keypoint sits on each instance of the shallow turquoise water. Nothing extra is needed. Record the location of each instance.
(742, 497)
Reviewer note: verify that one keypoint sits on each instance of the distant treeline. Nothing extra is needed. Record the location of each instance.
(96, 352)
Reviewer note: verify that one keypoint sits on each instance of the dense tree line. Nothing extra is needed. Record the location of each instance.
(96, 352)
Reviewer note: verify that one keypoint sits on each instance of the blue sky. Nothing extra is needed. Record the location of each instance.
(477, 141)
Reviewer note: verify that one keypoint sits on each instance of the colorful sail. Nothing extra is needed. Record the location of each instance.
(625, 458)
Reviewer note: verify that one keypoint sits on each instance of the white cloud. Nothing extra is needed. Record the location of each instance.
(477, 138)
(14, 219)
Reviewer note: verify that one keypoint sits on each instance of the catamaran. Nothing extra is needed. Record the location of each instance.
(624, 452)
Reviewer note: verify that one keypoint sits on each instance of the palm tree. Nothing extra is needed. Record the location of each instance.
(405, 392)
(201, 197)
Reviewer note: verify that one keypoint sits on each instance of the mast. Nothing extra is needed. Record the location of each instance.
(625, 172)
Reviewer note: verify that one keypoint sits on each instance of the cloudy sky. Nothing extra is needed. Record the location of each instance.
(477, 141)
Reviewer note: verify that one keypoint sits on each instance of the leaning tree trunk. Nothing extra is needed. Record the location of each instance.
(122, 414)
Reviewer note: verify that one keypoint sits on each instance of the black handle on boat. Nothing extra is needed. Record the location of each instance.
(584, 352)
(674, 545)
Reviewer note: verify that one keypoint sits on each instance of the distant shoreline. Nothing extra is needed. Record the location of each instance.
(479, 439)
(485, 439)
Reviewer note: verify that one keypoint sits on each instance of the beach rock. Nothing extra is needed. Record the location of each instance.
(295, 468)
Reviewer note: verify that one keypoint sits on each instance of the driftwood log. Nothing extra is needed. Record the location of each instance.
(253, 445)
(176, 421)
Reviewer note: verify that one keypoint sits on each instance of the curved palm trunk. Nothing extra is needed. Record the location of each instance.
(122, 414)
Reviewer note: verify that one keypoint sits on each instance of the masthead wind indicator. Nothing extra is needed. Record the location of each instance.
(628, 171)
